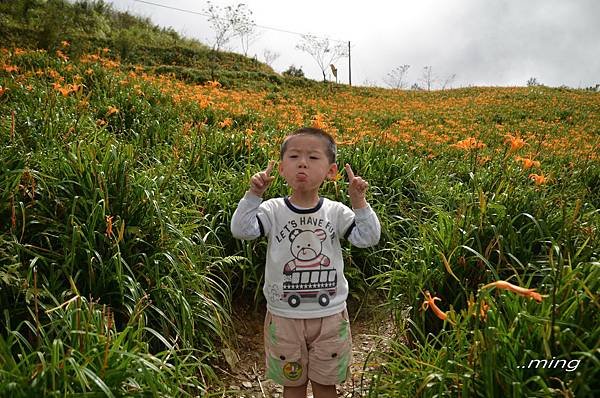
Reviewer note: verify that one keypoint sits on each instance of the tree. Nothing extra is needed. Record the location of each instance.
(533, 82)
(427, 77)
(449, 80)
(294, 72)
(322, 51)
(395, 79)
(270, 56)
(245, 28)
(229, 22)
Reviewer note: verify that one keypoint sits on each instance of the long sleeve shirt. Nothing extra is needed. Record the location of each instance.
(304, 274)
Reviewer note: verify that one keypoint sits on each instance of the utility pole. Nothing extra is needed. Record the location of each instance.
(349, 66)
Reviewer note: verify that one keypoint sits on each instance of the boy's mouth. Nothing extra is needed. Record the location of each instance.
(301, 175)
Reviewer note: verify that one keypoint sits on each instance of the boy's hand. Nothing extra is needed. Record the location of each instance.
(261, 180)
(356, 189)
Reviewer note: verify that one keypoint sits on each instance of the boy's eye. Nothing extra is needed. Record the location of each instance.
(293, 156)
(314, 157)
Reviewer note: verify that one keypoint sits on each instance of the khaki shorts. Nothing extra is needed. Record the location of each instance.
(298, 350)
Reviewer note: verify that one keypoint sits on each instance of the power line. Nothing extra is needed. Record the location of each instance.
(253, 24)
(258, 26)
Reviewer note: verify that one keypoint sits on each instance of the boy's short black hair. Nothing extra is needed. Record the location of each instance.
(331, 148)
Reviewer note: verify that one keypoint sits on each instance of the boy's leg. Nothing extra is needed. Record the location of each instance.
(286, 353)
(329, 350)
(323, 391)
(295, 392)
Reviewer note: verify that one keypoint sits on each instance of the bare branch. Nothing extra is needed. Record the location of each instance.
(395, 79)
(322, 51)
(270, 56)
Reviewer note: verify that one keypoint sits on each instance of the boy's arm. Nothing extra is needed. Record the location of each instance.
(245, 223)
(366, 229)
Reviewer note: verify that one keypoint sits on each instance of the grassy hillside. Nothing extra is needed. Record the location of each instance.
(118, 270)
(89, 26)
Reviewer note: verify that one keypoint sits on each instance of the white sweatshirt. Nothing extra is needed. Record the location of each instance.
(304, 275)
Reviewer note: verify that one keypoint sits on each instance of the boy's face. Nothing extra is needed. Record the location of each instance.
(305, 164)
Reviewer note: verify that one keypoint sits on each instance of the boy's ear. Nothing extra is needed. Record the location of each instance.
(333, 169)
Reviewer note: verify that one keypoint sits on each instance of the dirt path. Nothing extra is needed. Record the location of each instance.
(243, 374)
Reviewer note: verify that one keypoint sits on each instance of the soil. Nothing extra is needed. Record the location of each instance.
(243, 373)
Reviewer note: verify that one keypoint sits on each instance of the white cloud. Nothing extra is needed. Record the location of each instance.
(501, 42)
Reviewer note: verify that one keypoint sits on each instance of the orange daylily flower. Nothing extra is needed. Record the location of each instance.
(516, 143)
(203, 102)
(248, 139)
(2, 90)
(318, 121)
(62, 55)
(65, 43)
(109, 225)
(469, 143)
(228, 122)
(528, 163)
(10, 68)
(430, 302)
(483, 308)
(483, 160)
(538, 179)
(112, 110)
(515, 289)
(64, 90)
(212, 84)
(55, 75)
(89, 58)
(73, 88)
(110, 64)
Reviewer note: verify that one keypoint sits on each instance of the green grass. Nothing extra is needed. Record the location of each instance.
(118, 270)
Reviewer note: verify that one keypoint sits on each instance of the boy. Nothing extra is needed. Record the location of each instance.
(307, 332)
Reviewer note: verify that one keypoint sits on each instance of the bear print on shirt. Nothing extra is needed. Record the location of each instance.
(308, 274)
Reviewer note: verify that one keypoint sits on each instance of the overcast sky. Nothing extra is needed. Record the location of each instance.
(482, 42)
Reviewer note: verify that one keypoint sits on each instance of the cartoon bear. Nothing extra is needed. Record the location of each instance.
(306, 247)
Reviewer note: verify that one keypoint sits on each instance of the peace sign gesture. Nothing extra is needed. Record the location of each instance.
(261, 180)
(356, 189)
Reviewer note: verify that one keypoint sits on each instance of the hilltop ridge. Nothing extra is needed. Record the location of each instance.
(90, 26)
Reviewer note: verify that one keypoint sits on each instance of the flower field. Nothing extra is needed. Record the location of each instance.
(118, 270)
